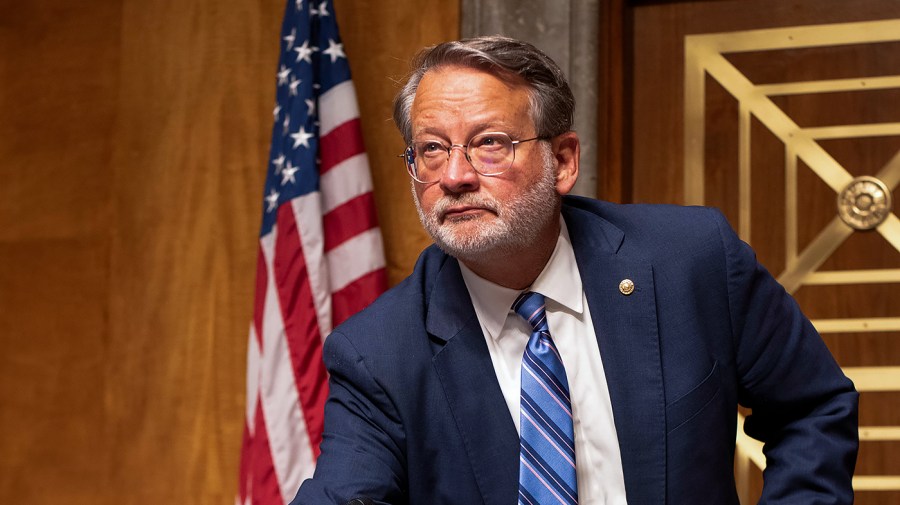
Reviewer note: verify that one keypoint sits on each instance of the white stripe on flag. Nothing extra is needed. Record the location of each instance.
(353, 259)
(337, 106)
(292, 453)
(308, 216)
(252, 378)
(345, 181)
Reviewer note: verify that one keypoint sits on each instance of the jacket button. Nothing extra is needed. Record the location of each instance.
(626, 287)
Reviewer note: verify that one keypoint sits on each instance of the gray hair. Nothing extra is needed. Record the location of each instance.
(511, 60)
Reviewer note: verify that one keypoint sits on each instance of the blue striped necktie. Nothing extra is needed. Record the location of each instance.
(547, 438)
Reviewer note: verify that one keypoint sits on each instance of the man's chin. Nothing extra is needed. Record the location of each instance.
(464, 251)
(471, 246)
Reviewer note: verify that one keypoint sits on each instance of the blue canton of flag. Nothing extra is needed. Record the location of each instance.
(312, 62)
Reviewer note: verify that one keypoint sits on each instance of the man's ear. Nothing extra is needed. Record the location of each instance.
(566, 152)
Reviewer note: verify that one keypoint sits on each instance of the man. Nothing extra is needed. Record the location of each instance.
(650, 324)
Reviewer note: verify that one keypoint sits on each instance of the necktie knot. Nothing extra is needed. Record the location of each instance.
(531, 306)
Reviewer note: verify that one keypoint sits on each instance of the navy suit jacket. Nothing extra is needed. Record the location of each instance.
(415, 413)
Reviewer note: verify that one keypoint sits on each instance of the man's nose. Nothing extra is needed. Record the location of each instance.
(459, 175)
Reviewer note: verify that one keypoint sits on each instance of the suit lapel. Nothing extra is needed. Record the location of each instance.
(463, 364)
(626, 328)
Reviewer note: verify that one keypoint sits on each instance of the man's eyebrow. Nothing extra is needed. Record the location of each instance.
(436, 131)
(472, 130)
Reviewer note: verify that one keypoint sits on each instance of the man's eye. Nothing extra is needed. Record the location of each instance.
(490, 142)
(431, 148)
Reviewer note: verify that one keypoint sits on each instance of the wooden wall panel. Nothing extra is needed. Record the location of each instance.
(52, 347)
(656, 58)
(133, 146)
(194, 118)
(758, 195)
(56, 81)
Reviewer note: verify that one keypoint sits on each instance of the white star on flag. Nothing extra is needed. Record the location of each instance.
(275, 112)
(310, 107)
(323, 9)
(304, 52)
(279, 163)
(272, 200)
(301, 138)
(283, 75)
(294, 83)
(334, 50)
(288, 174)
(290, 38)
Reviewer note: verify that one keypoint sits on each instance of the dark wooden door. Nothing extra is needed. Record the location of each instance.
(786, 115)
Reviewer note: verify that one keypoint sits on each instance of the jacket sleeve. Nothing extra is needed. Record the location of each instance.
(804, 409)
(363, 447)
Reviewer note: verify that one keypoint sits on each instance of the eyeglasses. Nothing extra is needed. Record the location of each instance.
(489, 154)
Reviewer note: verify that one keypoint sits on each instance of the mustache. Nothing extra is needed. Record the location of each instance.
(444, 204)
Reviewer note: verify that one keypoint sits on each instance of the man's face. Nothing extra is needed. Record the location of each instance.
(468, 214)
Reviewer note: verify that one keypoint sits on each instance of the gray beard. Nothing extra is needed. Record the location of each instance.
(518, 221)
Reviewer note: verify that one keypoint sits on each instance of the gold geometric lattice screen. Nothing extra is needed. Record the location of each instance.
(861, 203)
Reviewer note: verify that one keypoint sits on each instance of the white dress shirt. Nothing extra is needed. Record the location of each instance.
(597, 456)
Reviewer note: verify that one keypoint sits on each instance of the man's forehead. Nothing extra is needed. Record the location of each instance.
(470, 99)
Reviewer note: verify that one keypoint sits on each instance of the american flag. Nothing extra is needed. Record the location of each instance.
(320, 253)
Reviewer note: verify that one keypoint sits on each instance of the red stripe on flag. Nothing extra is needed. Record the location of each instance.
(348, 220)
(358, 295)
(340, 144)
(259, 299)
(300, 323)
(264, 487)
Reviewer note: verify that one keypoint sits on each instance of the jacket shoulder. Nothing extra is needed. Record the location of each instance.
(654, 227)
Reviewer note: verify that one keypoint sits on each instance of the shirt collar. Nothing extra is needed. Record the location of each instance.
(559, 282)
